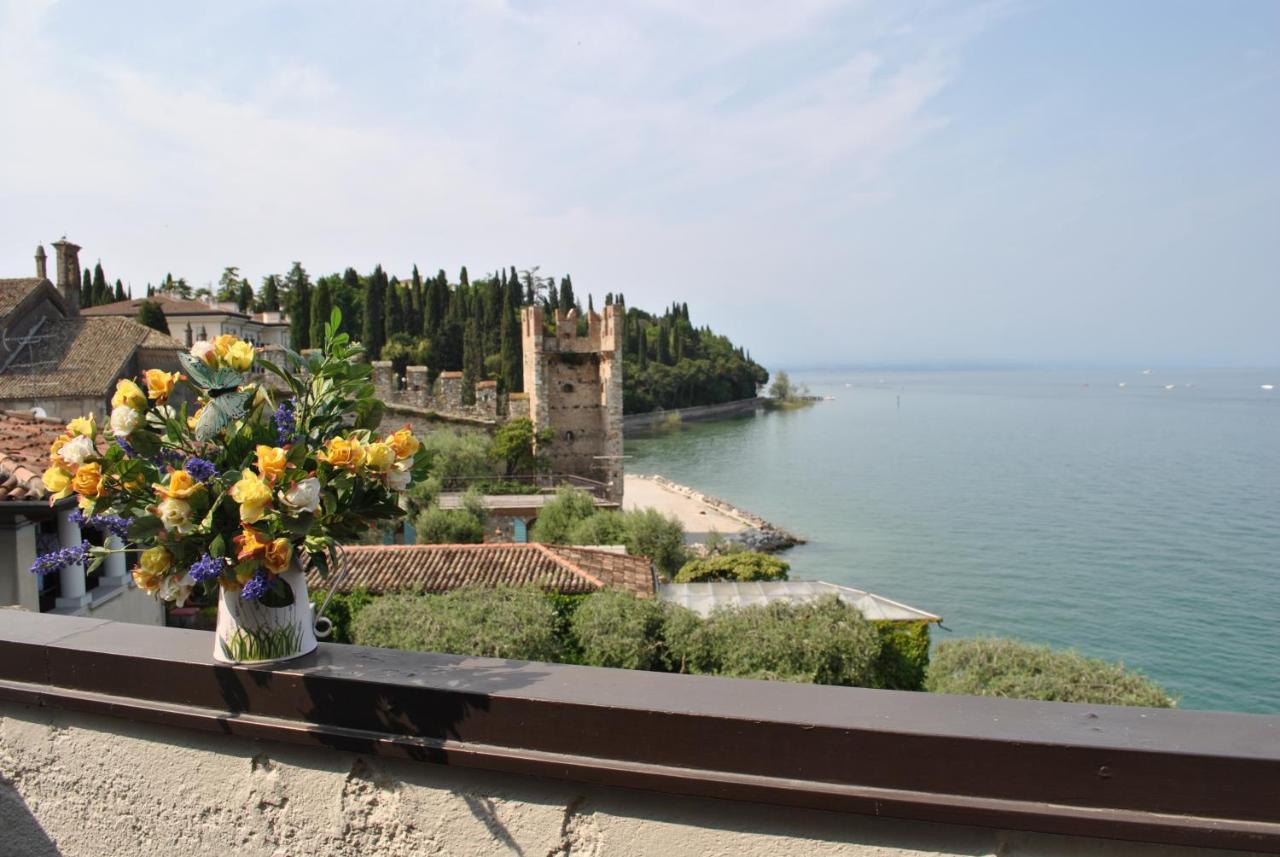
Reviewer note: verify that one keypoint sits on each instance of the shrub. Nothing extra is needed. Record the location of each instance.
(1008, 668)
(342, 611)
(437, 526)
(512, 448)
(569, 507)
(819, 642)
(748, 565)
(615, 629)
(455, 456)
(904, 655)
(602, 528)
(499, 622)
(659, 537)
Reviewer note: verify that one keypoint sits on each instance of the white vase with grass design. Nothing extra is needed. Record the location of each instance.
(275, 628)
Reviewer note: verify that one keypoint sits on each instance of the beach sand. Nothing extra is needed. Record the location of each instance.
(697, 517)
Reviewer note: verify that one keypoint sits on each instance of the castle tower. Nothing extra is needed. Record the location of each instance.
(574, 385)
(40, 263)
(68, 274)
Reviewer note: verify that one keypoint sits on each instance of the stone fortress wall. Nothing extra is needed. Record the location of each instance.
(573, 387)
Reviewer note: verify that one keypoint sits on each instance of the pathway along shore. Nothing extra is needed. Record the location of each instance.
(702, 514)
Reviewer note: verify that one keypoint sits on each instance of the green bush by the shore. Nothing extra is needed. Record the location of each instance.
(1008, 668)
(741, 566)
(571, 518)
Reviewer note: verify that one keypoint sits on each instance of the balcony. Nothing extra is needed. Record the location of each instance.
(361, 750)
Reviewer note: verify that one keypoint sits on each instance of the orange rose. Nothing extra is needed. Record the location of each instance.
(271, 462)
(88, 481)
(160, 384)
(181, 486)
(250, 544)
(342, 452)
(278, 554)
(404, 443)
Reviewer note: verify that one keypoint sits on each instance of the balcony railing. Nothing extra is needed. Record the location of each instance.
(1175, 777)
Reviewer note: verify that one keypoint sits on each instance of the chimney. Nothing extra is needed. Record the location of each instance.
(40, 257)
(69, 274)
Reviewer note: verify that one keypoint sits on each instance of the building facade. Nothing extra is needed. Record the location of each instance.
(193, 320)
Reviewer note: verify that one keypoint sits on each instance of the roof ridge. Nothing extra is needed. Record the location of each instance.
(568, 563)
(459, 546)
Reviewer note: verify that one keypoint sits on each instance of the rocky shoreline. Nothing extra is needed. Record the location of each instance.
(759, 535)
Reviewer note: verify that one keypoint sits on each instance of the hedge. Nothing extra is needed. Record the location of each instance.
(742, 566)
(1008, 668)
(498, 622)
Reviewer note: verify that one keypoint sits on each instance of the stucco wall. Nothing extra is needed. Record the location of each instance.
(84, 786)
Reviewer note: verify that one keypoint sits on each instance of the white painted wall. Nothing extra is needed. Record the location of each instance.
(84, 786)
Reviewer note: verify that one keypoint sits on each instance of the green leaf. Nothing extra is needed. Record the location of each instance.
(279, 594)
(221, 411)
(144, 528)
(218, 547)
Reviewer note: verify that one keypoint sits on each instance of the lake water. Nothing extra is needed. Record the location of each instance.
(1136, 524)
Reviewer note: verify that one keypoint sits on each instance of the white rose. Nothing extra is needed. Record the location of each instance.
(175, 514)
(74, 452)
(399, 477)
(204, 351)
(302, 496)
(124, 420)
(175, 589)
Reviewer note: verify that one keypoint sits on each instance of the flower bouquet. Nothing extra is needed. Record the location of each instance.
(244, 494)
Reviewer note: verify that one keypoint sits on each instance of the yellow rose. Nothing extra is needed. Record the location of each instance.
(57, 482)
(87, 426)
(88, 481)
(129, 393)
(160, 384)
(278, 554)
(194, 419)
(250, 544)
(252, 494)
(156, 560)
(222, 345)
(271, 462)
(342, 452)
(404, 443)
(181, 486)
(58, 443)
(240, 356)
(379, 457)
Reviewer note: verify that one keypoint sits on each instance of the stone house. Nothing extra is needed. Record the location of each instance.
(193, 320)
(60, 361)
(30, 526)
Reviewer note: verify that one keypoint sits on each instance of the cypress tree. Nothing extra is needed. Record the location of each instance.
(472, 361)
(393, 312)
(463, 280)
(299, 309)
(591, 307)
(417, 295)
(350, 299)
(150, 314)
(567, 301)
(374, 333)
(86, 289)
(244, 297)
(321, 309)
(664, 345)
(101, 291)
(270, 293)
(120, 295)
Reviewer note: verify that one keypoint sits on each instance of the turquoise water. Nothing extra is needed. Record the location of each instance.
(1137, 524)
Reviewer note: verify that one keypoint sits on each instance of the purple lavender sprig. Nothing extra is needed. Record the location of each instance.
(206, 568)
(256, 587)
(286, 422)
(60, 559)
(115, 525)
(124, 444)
(200, 469)
(167, 458)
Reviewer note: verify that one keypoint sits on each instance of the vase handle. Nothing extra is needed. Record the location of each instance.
(322, 625)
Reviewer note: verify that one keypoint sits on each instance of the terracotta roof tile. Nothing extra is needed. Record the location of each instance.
(12, 292)
(78, 357)
(24, 453)
(440, 568)
(170, 305)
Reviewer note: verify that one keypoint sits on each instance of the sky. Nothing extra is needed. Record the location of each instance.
(829, 184)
